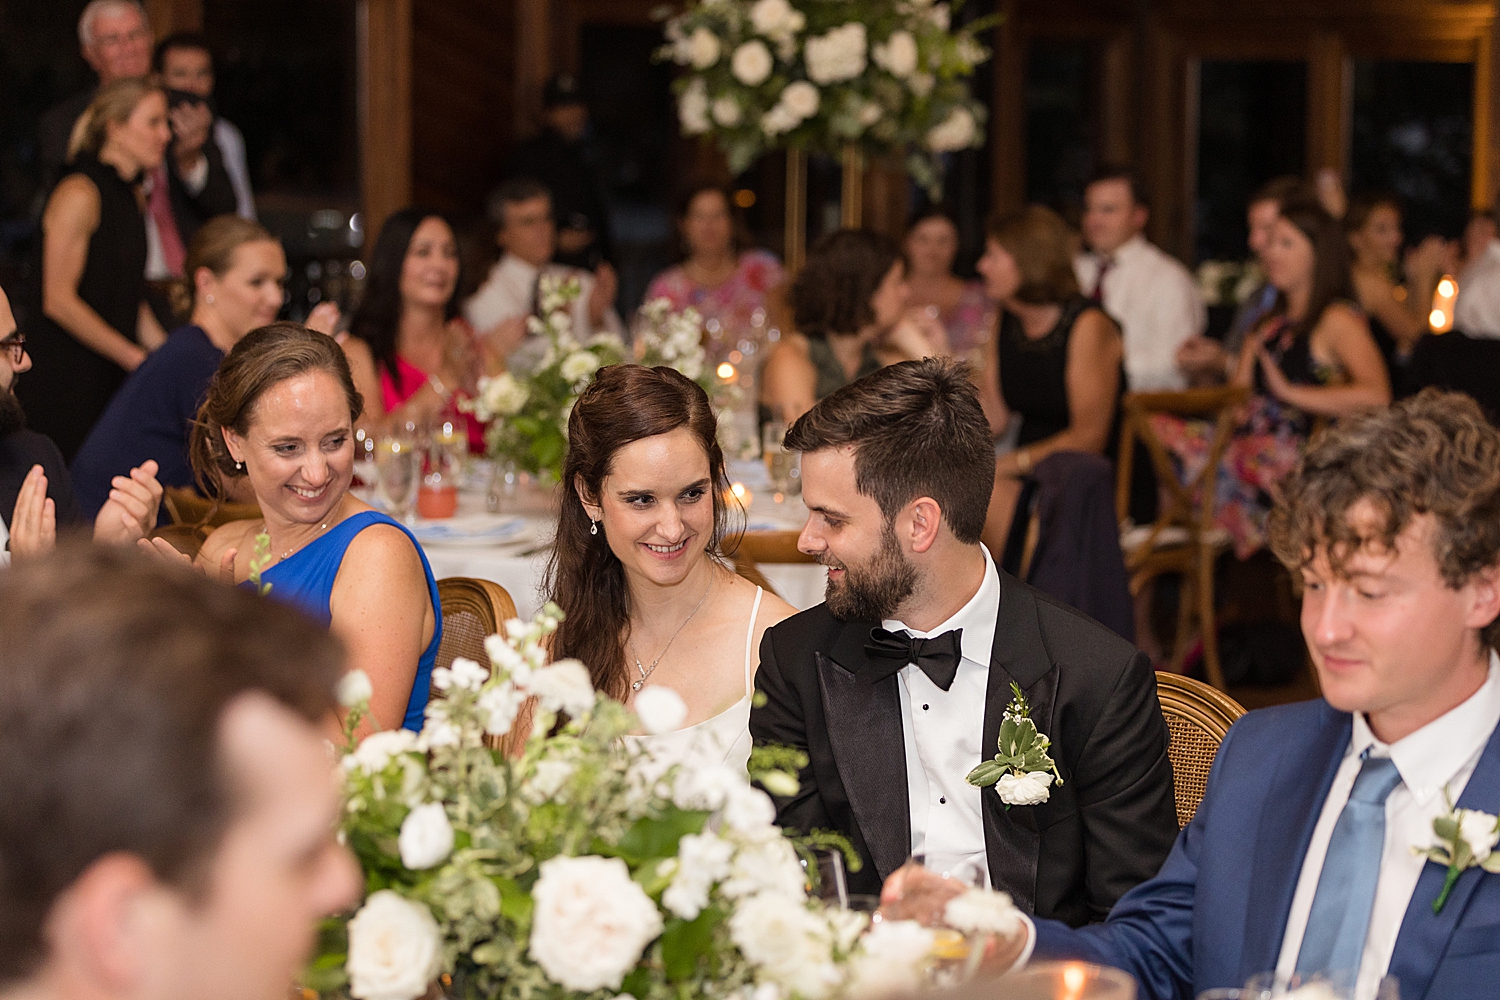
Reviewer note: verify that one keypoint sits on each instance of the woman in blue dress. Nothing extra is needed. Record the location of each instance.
(280, 414)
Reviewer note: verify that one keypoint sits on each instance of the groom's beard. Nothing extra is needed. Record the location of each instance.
(874, 591)
(12, 417)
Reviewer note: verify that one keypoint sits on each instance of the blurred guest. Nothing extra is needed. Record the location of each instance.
(1477, 312)
(849, 305)
(528, 241)
(186, 66)
(1206, 361)
(1056, 356)
(115, 39)
(95, 325)
(1478, 235)
(1154, 298)
(36, 495)
(638, 569)
(1312, 358)
(1397, 314)
(728, 285)
(410, 352)
(237, 274)
(281, 413)
(170, 803)
(962, 307)
(558, 154)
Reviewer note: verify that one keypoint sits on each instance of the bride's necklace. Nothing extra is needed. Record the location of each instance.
(646, 671)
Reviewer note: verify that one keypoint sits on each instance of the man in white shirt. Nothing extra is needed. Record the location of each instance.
(1154, 298)
(1477, 312)
(1308, 852)
(528, 240)
(896, 686)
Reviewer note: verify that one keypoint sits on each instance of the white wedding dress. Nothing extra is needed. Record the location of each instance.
(722, 739)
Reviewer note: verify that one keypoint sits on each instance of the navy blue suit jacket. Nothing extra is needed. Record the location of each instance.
(1216, 913)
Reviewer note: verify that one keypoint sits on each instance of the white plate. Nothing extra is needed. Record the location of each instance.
(487, 529)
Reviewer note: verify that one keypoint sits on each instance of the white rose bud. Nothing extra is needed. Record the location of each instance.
(660, 709)
(395, 949)
(703, 48)
(752, 63)
(355, 689)
(801, 99)
(426, 837)
(1024, 789)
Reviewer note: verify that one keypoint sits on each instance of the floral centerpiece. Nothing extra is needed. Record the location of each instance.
(577, 866)
(885, 76)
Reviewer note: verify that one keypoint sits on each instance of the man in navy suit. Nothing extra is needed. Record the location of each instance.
(1301, 857)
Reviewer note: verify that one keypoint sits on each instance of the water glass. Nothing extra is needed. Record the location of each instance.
(960, 868)
(827, 877)
(398, 473)
(778, 459)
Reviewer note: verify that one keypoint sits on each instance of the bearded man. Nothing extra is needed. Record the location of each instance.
(897, 685)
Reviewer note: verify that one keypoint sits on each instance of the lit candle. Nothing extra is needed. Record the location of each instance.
(1073, 979)
(1444, 297)
(739, 493)
(726, 373)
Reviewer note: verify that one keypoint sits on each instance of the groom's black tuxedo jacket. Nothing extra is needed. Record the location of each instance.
(1105, 829)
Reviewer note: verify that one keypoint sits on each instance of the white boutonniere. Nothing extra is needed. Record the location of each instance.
(1465, 838)
(1021, 772)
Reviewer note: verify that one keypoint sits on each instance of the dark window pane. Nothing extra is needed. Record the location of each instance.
(1413, 134)
(1252, 126)
(1060, 125)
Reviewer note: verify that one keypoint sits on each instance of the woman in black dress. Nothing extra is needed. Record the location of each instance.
(1055, 357)
(95, 326)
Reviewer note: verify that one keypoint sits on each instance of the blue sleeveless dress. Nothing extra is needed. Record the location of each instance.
(306, 581)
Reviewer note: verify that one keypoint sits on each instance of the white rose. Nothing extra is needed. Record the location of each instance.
(355, 689)
(890, 959)
(727, 112)
(752, 63)
(983, 911)
(1478, 828)
(791, 944)
(921, 84)
(502, 395)
(837, 55)
(692, 109)
(1024, 789)
(801, 99)
(771, 17)
(564, 687)
(660, 709)
(591, 922)
(956, 132)
(703, 48)
(898, 55)
(395, 949)
(377, 750)
(779, 119)
(426, 837)
(579, 365)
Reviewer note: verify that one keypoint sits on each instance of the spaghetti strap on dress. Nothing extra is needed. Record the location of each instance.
(305, 581)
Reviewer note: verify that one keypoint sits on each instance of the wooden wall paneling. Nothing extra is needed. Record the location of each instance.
(1117, 100)
(385, 93)
(533, 49)
(1165, 138)
(1008, 112)
(1329, 105)
(1487, 88)
(168, 16)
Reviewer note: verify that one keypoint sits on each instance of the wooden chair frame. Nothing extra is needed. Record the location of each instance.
(1207, 709)
(1189, 506)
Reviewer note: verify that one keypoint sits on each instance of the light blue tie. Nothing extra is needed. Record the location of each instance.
(1340, 917)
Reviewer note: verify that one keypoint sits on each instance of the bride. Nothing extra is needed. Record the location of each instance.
(637, 567)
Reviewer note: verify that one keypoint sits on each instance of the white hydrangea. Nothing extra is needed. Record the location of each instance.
(897, 55)
(501, 396)
(752, 63)
(702, 860)
(765, 866)
(790, 944)
(591, 922)
(955, 132)
(579, 365)
(836, 55)
(692, 108)
(564, 686)
(703, 48)
(379, 749)
(890, 960)
(727, 112)
(498, 707)
(464, 674)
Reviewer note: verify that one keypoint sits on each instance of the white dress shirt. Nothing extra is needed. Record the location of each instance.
(1477, 312)
(943, 732)
(1438, 757)
(1157, 304)
(232, 147)
(510, 291)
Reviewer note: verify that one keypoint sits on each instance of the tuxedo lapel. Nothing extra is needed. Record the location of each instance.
(865, 734)
(1303, 777)
(1011, 841)
(1424, 934)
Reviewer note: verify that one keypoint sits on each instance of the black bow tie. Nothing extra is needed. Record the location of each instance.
(938, 657)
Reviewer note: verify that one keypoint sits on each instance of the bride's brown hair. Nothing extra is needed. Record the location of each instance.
(584, 577)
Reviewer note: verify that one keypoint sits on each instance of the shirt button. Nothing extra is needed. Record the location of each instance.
(924, 708)
(943, 801)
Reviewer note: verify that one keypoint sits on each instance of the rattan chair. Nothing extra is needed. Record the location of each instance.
(1182, 540)
(474, 610)
(1197, 717)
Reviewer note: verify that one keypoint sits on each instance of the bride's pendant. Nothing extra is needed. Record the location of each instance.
(637, 685)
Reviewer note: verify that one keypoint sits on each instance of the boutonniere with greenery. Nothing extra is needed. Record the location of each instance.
(1466, 839)
(1021, 772)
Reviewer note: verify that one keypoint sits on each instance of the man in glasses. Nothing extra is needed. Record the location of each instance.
(36, 493)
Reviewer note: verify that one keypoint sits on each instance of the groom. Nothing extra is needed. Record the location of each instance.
(896, 686)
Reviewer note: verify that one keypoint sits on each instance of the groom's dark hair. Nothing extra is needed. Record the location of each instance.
(917, 430)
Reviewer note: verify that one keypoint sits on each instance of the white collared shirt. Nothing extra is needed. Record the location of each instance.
(1157, 304)
(1477, 312)
(510, 291)
(943, 732)
(1440, 756)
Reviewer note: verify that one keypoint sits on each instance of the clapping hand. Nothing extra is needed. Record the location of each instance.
(606, 284)
(165, 550)
(130, 512)
(324, 318)
(33, 525)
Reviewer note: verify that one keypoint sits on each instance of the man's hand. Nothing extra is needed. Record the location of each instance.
(33, 525)
(606, 284)
(130, 512)
(191, 124)
(917, 893)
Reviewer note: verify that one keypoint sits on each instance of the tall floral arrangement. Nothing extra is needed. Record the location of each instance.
(578, 867)
(887, 76)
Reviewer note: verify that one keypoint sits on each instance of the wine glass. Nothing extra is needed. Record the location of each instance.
(398, 473)
(779, 461)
